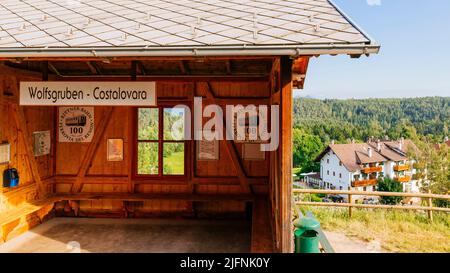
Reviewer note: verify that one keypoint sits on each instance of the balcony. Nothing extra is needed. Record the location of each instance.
(363, 183)
(399, 168)
(403, 179)
(372, 169)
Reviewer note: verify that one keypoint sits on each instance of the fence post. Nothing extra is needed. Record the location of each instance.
(350, 201)
(430, 204)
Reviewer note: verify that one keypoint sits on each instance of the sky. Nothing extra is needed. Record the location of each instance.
(414, 60)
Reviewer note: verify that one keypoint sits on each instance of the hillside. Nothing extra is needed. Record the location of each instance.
(317, 122)
(359, 119)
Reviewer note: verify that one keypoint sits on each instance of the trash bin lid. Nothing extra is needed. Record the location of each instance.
(307, 223)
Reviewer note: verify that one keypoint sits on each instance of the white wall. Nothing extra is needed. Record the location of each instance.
(327, 170)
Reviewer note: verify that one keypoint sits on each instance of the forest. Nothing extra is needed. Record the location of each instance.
(317, 122)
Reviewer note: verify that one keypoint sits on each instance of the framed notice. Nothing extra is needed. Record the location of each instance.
(207, 150)
(246, 126)
(5, 153)
(76, 124)
(251, 151)
(41, 143)
(115, 149)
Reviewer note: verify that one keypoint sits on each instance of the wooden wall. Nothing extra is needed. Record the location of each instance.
(204, 177)
(77, 168)
(16, 126)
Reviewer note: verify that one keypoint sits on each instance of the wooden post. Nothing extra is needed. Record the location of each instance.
(350, 201)
(430, 204)
(285, 150)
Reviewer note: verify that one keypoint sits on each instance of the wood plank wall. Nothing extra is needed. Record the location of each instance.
(60, 170)
(205, 177)
(11, 119)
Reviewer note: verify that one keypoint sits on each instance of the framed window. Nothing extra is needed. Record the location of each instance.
(160, 142)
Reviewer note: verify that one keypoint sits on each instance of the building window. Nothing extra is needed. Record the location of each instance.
(160, 151)
(364, 188)
(340, 175)
(328, 172)
(340, 163)
(328, 161)
(334, 173)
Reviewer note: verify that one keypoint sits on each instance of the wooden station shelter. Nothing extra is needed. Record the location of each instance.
(226, 52)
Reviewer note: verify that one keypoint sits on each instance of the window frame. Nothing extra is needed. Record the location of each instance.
(160, 141)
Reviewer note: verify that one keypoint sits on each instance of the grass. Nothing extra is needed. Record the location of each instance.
(176, 162)
(397, 231)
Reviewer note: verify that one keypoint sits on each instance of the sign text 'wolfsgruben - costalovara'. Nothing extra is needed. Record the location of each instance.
(88, 93)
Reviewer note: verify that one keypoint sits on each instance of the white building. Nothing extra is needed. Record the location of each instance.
(358, 166)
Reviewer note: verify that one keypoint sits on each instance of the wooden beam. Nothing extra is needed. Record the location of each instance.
(171, 78)
(93, 68)
(154, 196)
(54, 69)
(230, 147)
(285, 149)
(100, 179)
(183, 67)
(93, 146)
(299, 69)
(21, 123)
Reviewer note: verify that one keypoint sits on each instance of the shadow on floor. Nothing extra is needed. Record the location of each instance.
(134, 235)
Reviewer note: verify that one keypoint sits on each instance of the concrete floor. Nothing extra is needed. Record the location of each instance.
(133, 235)
(344, 244)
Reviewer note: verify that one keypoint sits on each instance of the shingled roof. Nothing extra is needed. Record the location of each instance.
(353, 155)
(183, 27)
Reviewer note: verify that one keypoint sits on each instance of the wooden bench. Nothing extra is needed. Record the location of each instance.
(154, 196)
(20, 218)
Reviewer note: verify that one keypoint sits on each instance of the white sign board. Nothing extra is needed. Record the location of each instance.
(76, 124)
(88, 93)
(42, 143)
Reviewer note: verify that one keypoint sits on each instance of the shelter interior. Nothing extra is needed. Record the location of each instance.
(77, 179)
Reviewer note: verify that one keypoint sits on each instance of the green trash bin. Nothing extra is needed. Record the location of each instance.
(306, 236)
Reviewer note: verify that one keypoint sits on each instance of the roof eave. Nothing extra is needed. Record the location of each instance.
(192, 51)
